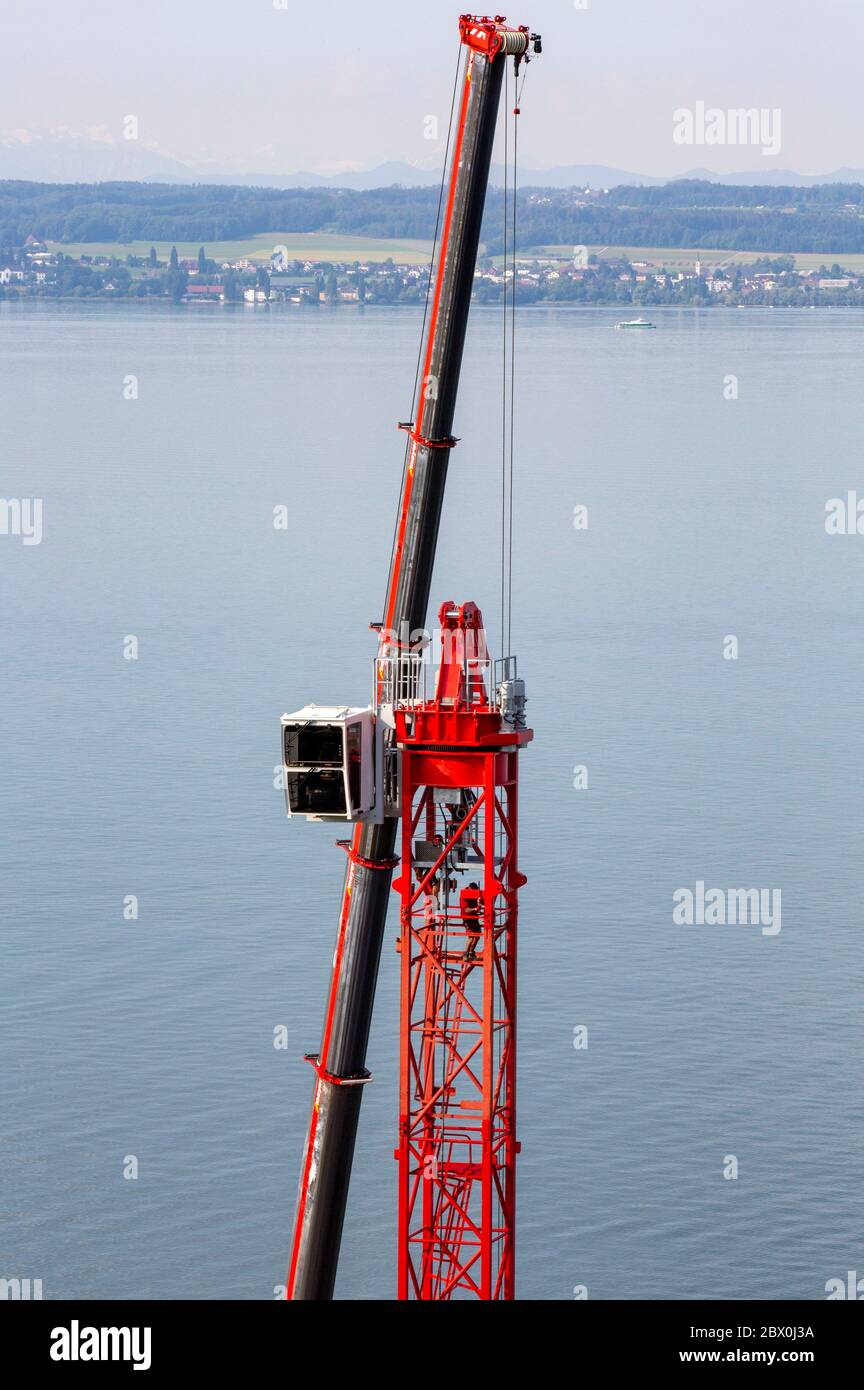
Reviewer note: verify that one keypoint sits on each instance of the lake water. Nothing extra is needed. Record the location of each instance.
(154, 777)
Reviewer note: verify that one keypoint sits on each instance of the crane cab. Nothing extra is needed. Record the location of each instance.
(329, 763)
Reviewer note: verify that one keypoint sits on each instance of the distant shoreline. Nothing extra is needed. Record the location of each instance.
(28, 303)
(627, 278)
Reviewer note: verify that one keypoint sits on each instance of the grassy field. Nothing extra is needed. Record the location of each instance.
(678, 258)
(316, 246)
(322, 246)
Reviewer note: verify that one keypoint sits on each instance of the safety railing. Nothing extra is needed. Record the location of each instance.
(399, 681)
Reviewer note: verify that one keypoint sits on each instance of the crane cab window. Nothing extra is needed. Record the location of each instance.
(318, 792)
(319, 745)
(353, 754)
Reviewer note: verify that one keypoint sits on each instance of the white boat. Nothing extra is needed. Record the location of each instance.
(636, 323)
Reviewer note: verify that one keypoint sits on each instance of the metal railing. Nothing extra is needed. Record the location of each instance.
(408, 681)
(505, 670)
(399, 680)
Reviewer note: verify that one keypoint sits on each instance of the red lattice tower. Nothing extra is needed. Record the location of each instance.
(458, 887)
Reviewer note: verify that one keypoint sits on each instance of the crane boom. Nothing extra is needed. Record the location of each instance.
(340, 1063)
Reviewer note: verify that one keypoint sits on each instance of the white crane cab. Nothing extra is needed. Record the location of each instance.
(330, 763)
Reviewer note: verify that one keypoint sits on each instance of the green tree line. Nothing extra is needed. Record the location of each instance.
(825, 218)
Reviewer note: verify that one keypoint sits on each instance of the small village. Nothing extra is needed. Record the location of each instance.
(37, 271)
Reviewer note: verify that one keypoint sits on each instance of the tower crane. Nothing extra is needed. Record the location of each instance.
(442, 759)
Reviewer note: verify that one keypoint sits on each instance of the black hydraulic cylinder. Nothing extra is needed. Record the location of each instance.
(336, 1106)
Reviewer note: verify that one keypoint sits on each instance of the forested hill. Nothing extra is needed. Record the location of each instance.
(825, 218)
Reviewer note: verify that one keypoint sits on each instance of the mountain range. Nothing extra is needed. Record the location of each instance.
(67, 157)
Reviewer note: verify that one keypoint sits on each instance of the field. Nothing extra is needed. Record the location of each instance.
(679, 258)
(324, 246)
(316, 246)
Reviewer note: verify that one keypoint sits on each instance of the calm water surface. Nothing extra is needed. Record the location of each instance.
(155, 778)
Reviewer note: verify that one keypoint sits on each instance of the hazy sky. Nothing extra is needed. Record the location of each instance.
(240, 85)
